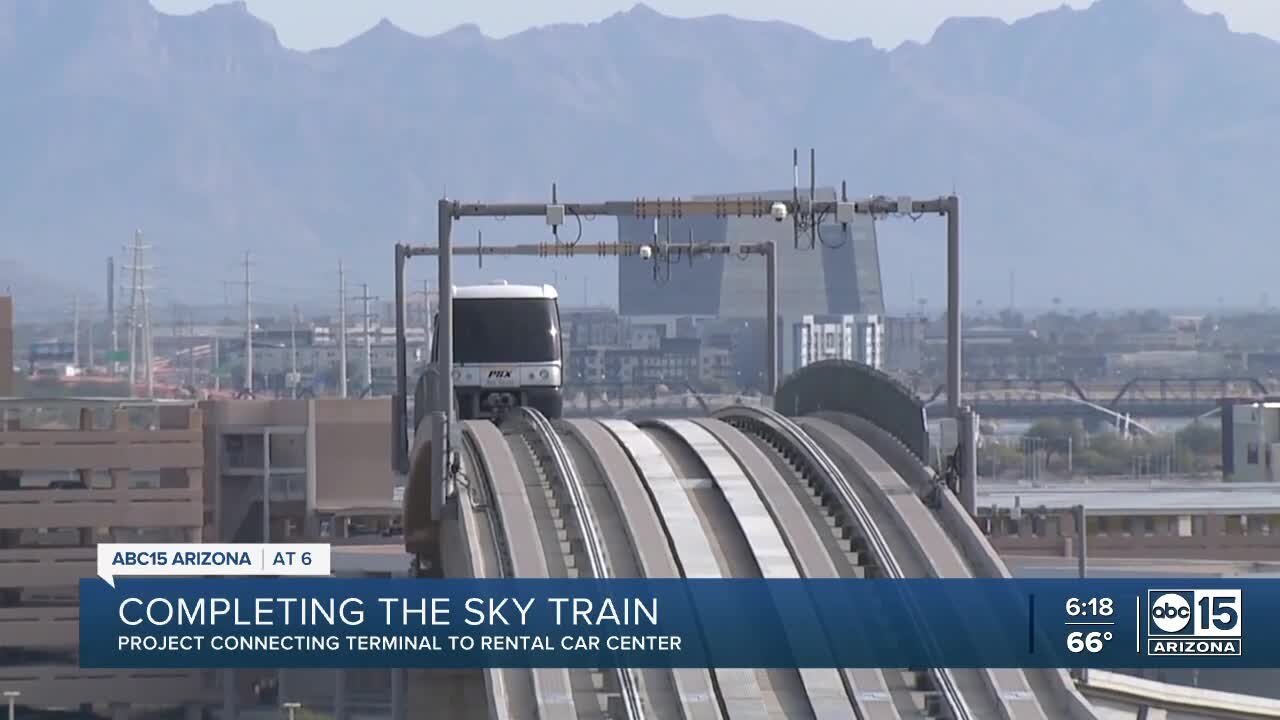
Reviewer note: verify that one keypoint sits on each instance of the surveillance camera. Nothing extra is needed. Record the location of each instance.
(646, 252)
(779, 211)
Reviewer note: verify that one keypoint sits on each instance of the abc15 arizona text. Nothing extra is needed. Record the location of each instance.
(1194, 622)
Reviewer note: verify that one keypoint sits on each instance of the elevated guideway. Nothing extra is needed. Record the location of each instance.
(744, 493)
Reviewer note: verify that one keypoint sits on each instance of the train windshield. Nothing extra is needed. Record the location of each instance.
(504, 330)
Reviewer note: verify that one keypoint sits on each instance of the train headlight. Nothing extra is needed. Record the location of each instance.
(544, 373)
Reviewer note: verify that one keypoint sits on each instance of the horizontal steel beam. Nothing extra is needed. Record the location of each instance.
(600, 249)
(753, 206)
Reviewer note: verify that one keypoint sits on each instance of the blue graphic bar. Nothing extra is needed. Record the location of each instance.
(323, 622)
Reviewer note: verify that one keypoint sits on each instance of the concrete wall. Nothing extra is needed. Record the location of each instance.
(1188, 536)
(353, 453)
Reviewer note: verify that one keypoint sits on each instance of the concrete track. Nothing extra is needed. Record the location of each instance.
(747, 493)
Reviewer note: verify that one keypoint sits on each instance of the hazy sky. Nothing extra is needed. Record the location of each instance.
(306, 24)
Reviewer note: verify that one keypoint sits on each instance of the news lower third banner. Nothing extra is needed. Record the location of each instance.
(309, 622)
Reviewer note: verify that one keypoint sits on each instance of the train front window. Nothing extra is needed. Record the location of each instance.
(504, 330)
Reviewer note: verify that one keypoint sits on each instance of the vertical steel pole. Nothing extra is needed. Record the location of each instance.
(953, 305)
(444, 319)
(771, 318)
(442, 420)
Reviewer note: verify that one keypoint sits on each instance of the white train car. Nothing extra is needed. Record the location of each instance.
(506, 349)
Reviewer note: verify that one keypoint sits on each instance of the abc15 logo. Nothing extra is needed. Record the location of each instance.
(1193, 613)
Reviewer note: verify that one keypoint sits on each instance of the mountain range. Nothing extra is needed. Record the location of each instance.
(1125, 154)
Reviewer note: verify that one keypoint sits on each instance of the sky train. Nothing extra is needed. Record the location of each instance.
(507, 349)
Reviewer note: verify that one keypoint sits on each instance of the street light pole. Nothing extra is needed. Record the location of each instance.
(11, 696)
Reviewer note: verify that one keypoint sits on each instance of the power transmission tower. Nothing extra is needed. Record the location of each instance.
(137, 292)
(247, 264)
(342, 331)
(365, 297)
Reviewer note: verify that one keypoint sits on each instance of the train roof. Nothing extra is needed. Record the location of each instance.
(502, 289)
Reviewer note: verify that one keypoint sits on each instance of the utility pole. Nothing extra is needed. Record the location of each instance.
(191, 352)
(89, 336)
(293, 352)
(248, 324)
(137, 293)
(75, 331)
(365, 297)
(342, 331)
(111, 312)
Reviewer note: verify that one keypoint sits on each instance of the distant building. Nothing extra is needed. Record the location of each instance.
(839, 337)
(671, 361)
(839, 276)
(904, 343)
(89, 472)
(586, 327)
(1251, 441)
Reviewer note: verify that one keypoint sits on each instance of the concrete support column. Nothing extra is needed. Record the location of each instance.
(397, 694)
(311, 527)
(282, 686)
(340, 694)
(230, 697)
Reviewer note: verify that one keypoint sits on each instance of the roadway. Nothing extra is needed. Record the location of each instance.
(746, 493)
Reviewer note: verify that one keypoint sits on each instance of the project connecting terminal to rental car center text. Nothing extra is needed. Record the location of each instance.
(283, 611)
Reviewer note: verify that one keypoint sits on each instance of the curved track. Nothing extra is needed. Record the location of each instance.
(748, 494)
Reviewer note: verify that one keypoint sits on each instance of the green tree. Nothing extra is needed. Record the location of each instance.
(1056, 435)
(1201, 439)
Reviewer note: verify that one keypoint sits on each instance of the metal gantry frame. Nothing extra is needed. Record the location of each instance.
(803, 213)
